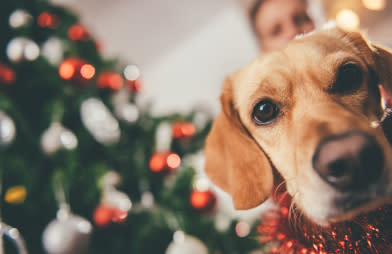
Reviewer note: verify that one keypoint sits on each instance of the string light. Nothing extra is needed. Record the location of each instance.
(348, 19)
(87, 71)
(242, 229)
(66, 70)
(173, 161)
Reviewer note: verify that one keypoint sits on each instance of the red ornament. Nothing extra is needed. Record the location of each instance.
(370, 233)
(183, 130)
(48, 20)
(103, 216)
(7, 76)
(134, 85)
(203, 201)
(110, 79)
(119, 216)
(76, 69)
(77, 32)
(164, 162)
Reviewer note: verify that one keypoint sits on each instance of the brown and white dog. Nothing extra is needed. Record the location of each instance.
(305, 114)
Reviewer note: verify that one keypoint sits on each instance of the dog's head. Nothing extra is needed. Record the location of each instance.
(306, 112)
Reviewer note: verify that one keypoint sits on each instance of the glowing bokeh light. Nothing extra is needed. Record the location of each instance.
(87, 71)
(66, 70)
(375, 5)
(173, 161)
(157, 162)
(348, 19)
(242, 229)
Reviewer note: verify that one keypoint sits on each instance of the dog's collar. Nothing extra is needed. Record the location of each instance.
(370, 233)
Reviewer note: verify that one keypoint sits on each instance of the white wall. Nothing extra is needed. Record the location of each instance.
(194, 71)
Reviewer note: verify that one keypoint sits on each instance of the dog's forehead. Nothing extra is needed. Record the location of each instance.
(314, 56)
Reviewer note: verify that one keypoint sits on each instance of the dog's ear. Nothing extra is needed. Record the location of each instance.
(383, 62)
(234, 161)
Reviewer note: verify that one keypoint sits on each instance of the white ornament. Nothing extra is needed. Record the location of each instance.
(57, 137)
(128, 112)
(7, 129)
(21, 48)
(53, 50)
(115, 198)
(147, 200)
(99, 121)
(163, 137)
(67, 234)
(185, 244)
(19, 18)
(111, 179)
(132, 72)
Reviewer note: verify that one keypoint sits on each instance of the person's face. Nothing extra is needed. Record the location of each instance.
(279, 21)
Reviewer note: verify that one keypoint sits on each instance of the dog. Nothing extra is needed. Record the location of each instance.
(304, 117)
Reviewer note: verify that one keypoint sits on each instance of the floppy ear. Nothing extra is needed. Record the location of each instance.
(383, 63)
(234, 161)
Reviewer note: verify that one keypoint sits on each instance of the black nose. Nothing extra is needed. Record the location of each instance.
(350, 161)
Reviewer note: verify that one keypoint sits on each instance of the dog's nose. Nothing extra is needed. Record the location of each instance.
(350, 161)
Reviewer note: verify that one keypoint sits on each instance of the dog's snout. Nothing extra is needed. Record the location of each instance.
(350, 161)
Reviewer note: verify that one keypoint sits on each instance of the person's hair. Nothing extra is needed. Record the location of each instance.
(254, 10)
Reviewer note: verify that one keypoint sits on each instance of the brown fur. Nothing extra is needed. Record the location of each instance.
(240, 156)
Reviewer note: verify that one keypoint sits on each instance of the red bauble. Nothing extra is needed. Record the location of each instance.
(203, 201)
(183, 130)
(164, 162)
(119, 216)
(103, 216)
(76, 69)
(49, 20)
(110, 79)
(134, 85)
(77, 32)
(7, 76)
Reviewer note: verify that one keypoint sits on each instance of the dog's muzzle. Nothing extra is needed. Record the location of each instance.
(350, 162)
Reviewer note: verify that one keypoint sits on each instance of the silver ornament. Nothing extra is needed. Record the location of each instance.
(21, 48)
(67, 234)
(57, 137)
(19, 18)
(53, 50)
(7, 129)
(14, 235)
(185, 244)
(99, 121)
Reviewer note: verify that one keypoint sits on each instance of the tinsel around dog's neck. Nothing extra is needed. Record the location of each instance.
(370, 233)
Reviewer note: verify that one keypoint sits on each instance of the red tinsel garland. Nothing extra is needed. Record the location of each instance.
(370, 233)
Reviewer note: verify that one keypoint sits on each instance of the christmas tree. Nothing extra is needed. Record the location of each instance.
(84, 169)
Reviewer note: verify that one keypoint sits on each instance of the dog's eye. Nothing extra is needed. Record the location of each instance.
(264, 112)
(348, 80)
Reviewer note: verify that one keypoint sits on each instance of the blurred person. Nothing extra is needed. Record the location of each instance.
(276, 22)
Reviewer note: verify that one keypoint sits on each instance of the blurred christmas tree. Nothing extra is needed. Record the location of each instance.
(75, 148)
